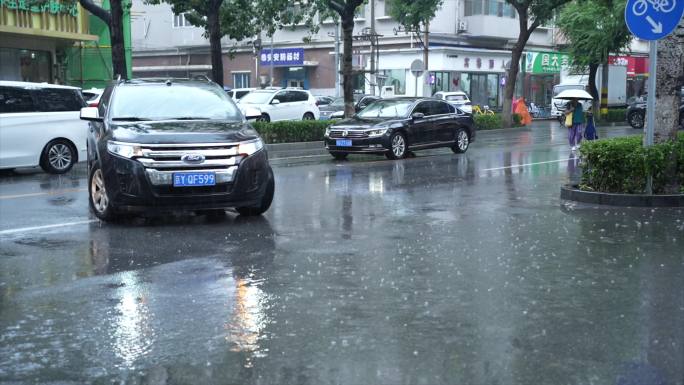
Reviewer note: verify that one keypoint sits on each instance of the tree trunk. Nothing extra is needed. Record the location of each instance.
(512, 73)
(347, 75)
(117, 37)
(669, 80)
(214, 28)
(593, 69)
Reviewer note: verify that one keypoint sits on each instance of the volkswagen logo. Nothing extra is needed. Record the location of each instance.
(345, 133)
(192, 158)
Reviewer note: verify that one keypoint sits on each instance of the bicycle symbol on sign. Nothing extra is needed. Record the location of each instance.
(665, 6)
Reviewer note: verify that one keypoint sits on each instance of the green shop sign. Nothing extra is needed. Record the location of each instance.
(53, 7)
(546, 62)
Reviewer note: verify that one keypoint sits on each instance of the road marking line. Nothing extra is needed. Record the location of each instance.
(526, 164)
(56, 192)
(28, 229)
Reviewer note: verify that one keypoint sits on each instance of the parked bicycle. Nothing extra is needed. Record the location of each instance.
(484, 110)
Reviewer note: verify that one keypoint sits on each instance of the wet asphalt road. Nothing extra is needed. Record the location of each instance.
(440, 269)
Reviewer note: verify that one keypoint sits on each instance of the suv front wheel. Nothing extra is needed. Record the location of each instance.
(97, 193)
(265, 204)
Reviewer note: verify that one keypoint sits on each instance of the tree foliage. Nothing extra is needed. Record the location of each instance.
(593, 29)
(531, 14)
(413, 13)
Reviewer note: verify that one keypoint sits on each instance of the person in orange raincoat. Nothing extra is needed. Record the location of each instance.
(521, 109)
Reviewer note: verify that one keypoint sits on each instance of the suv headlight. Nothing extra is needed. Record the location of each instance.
(327, 132)
(250, 147)
(127, 150)
(377, 132)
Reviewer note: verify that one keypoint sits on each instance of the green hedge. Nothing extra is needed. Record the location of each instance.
(292, 130)
(488, 122)
(620, 165)
(614, 115)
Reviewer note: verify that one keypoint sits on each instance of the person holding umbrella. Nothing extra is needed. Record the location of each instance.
(574, 115)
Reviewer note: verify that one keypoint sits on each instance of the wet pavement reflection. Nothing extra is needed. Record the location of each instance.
(440, 269)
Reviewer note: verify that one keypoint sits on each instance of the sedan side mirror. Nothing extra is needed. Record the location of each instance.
(418, 115)
(91, 114)
(275, 101)
(252, 113)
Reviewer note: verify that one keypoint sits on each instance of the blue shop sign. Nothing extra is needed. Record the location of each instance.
(282, 57)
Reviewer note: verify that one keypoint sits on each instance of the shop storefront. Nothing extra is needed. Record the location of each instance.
(479, 73)
(541, 71)
(288, 66)
(35, 39)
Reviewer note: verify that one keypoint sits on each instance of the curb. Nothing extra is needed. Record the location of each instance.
(572, 193)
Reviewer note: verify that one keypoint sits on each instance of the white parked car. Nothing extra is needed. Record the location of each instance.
(238, 93)
(92, 96)
(456, 98)
(281, 104)
(40, 125)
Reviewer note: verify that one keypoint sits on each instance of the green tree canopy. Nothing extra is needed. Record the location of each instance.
(413, 13)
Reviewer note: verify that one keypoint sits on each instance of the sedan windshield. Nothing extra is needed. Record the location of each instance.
(177, 101)
(256, 97)
(386, 109)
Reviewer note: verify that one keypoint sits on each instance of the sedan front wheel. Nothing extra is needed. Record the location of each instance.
(462, 142)
(398, 146)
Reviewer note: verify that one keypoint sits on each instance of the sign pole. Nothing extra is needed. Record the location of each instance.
(650, 106)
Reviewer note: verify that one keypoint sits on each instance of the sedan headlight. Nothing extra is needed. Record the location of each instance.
(377, 132)
(127, 150)
(250, 147)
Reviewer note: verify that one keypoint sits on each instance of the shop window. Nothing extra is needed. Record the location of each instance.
(360, 12)
(397, 79)
(241, 79)
(179, 21)
(473, 7)
(388, 8)
(15, 100)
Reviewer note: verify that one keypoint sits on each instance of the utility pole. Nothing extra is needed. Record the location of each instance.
(270, 70)
(426, 54)
(373, 79)
(336, 35)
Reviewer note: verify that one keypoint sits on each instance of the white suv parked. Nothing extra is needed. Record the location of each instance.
(456, 98)
(281, 104)
(40, 125)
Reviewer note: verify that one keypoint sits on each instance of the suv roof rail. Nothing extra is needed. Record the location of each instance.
(200, 77)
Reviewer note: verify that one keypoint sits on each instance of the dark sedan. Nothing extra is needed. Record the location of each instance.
(394, 127)
(636, 113)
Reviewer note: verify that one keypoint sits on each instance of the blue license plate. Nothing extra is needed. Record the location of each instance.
(344, 143)
(190, 179)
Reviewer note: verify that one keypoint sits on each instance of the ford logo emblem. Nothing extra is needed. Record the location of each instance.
(193, 158)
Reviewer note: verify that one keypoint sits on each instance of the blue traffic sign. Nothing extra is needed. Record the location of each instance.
(653, 19)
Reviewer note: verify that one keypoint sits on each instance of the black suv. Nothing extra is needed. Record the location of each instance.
(177, 144)
(636, 112)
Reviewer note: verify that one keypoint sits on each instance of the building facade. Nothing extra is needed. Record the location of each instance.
(35, 39)
(469, 49)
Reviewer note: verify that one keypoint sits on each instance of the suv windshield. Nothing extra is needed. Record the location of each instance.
(257, 97)
(177, 101)
(386, 109)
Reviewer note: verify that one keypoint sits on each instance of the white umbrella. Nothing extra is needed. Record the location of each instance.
(574, 94)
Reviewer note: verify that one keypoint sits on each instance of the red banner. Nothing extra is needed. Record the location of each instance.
(636, 65)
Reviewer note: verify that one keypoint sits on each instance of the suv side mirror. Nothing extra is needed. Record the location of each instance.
(418, 115)
(252, 113)
(275, 101)
(91, 114)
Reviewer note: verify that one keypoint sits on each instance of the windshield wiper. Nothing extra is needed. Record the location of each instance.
(131, 118)
(190, 118)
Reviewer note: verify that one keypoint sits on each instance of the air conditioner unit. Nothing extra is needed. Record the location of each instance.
(462, 26)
